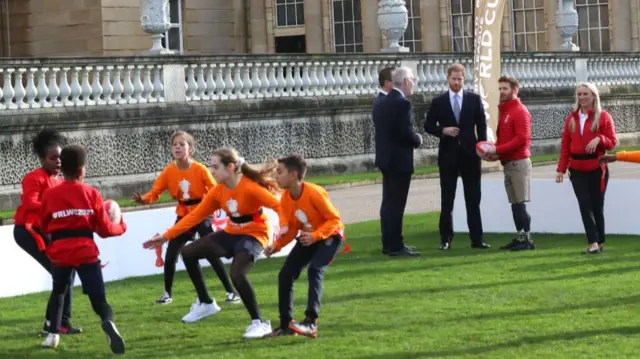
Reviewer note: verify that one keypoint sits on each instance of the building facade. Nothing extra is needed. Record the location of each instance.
(112, 27)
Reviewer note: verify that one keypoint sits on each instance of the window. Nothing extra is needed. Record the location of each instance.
(593, 25)
(462, 25)
(347, 26)
(289, 13)
(173, 36)
(528, 25)
(412, 37)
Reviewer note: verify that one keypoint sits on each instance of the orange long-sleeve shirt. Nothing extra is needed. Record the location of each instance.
(312, 212)
(247, 198)
(631, 156)
(190, 184)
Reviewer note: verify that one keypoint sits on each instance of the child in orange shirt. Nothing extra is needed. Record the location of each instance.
(241, 192)
(622, 156)
(305, 207)
(187, 181)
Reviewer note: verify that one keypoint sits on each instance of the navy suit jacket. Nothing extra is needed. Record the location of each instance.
(395, 137)
(472, 120)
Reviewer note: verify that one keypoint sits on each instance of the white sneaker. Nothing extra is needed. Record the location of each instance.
(233, 298)
(165, 298)
(257, 329)
(200, 311)
(52, 341)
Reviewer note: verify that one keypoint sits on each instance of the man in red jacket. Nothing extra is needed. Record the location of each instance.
(512, 148)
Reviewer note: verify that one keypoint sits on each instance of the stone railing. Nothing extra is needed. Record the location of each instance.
(74, 82)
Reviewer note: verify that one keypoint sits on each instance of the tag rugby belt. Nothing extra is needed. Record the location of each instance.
(255, 217)
(71, 233)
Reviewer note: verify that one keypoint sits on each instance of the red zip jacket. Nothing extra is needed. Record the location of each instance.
(514, 131)
(574, 144)
(71, 213)
(34, 184)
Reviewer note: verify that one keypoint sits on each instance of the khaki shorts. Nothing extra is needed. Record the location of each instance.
(517, 180)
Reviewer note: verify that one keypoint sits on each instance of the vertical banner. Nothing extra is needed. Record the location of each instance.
(486, 58)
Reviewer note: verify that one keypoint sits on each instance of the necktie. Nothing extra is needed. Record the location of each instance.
(456, 107)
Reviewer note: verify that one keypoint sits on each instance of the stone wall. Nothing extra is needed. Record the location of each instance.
(128, 145)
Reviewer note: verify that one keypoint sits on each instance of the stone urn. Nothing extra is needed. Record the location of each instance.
(154, 20)
(393, 19)
(567, 24)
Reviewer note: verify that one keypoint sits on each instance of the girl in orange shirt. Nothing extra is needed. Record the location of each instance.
(241, 192)
(187, 181)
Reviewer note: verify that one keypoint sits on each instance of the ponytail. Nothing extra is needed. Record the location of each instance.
(263, 176)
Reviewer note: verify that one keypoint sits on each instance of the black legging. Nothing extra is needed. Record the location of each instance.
(587, 187)
(25, 240)
(174, 248)
(242, 263)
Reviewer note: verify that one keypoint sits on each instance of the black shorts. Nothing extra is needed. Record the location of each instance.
(205, 227)
(236, 243)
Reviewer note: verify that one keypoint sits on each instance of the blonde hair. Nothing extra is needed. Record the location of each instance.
(263, 176)
(597, 107)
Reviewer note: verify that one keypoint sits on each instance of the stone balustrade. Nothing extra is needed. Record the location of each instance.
(74, 82)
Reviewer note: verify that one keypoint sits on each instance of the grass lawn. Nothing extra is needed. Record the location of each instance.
(550, 303)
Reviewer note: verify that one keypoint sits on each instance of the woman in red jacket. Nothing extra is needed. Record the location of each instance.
(27, 230)
(588, 133)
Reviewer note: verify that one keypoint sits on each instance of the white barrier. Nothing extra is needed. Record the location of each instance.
(122, 256)
(553, 208)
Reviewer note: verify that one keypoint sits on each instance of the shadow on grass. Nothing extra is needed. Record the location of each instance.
(540, 339)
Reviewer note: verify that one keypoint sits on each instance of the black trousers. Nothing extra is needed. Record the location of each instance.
(586, 186)
(468, 167)
(318, 256)
(174, 249)
(92, 285)
(24, 239)
(395, 190)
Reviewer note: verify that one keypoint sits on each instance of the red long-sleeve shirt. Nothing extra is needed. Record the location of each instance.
(575, 143)
(71, 213)
(34, 184)
(514, 131)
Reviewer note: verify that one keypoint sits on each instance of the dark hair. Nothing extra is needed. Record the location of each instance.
(385, 75)
(72, 159)
(45, 139)
(456, 68)
(263, 176)
(295, 162)
(512, 81)
(187, 137)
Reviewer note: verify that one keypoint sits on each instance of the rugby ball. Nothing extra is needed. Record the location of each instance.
(113, 210)
(483, 147)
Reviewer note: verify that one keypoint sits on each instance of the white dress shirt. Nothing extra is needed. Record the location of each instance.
(583, 120)
(451, 97)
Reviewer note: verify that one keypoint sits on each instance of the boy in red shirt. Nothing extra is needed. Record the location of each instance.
(305, 207)
(71, 212)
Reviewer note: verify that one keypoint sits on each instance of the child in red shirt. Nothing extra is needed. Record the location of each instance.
(71, 213)
(305, 207)
(187, 181)
(27, 230)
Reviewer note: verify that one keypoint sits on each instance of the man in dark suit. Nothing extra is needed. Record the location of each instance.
(395, 142)
(455, 117)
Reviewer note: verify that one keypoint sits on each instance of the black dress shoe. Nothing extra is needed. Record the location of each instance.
(404, 252)
(481, 245)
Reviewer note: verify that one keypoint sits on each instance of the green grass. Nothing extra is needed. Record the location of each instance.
(342, 179)
(550, 303)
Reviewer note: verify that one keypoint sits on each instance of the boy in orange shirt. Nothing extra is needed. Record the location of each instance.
(622, 156)
(241, 192)
(187, 181)
(305, 207)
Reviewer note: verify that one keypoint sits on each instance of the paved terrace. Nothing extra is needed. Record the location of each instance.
(362, 203)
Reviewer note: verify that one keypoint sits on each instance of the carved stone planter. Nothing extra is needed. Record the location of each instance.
(154, 20)
(393, 19)
(567, 24)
